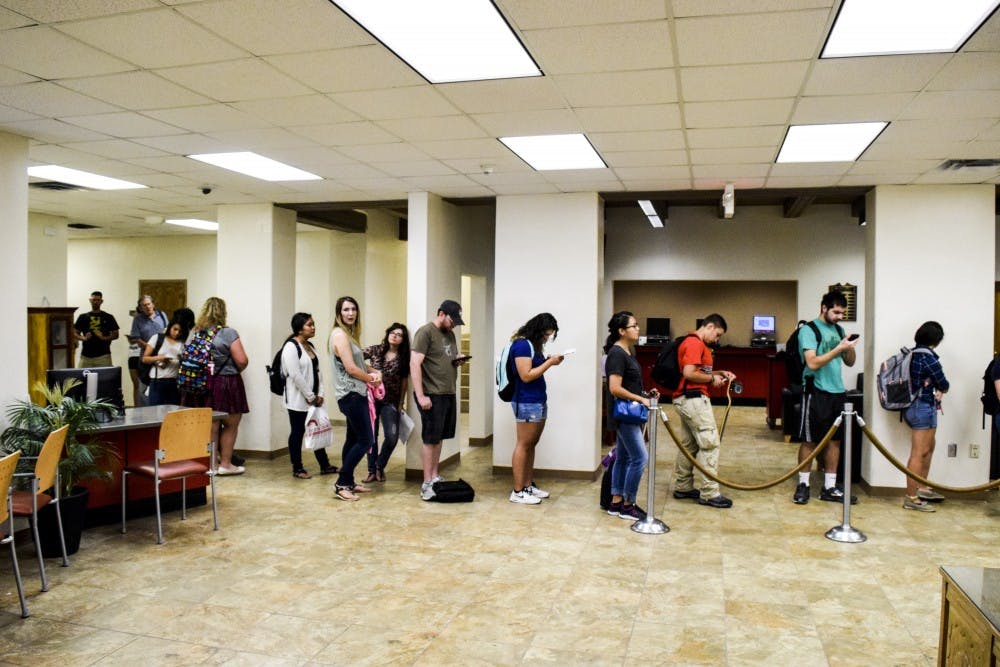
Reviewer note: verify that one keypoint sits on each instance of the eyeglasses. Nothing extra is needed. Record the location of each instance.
(396, 333)
(632, 326)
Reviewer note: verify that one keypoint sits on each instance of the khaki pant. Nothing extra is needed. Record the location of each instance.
(699, 436)
(95, 362)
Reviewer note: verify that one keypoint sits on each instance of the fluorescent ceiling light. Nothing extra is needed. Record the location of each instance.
(257, 166)
(84, 179)
(842, 142)
(884, 27)
(655, 221)
(445, 40)
(194, 223)
(650, 211)
(555, 151)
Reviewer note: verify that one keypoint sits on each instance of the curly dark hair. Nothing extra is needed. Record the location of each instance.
(403, 352)
(534, 329)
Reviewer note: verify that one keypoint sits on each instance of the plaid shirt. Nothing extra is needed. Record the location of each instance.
(926, 373)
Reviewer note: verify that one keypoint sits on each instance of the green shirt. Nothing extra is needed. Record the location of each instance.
(439, 349)
(828, 378)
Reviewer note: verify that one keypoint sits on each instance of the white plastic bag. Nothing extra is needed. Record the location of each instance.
(405, 427)
(319, 430)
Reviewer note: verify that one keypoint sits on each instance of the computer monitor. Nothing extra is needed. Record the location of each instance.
(658, 327)
(107, 383)
(763, 324)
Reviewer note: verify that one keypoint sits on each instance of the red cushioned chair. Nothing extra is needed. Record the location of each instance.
(185, 439)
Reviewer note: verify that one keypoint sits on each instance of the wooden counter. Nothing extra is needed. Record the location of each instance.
(970, 616)
(750, 364)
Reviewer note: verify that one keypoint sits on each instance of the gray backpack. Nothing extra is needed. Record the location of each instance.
(895, 391)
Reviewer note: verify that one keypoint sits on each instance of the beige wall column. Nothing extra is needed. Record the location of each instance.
(47, 257)
(14, 267)
(256, 278)
(930, 255)
(548, 259)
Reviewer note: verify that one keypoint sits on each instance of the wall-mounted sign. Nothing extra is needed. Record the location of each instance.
(851, 293)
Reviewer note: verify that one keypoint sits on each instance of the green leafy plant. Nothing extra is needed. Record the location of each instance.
(85, 457)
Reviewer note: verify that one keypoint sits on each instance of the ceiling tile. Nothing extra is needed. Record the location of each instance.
(992, 134)
(12, 114)
(48, 99)
(260, 139)
(528, 123)
(652, 173)
(66, 156)
(47, 54)
(969, 71)
(924, 150)
(987, 38)
(279, 27)
(345, 134)
(617, 46)
(854, 108)
(234, 80)
(965, 104)
(916, 131)
(124, 124)
(750, 38)
(154, 38)
(433, 129)
(882, 178)
(185, 144)
(51, 131)
(10, 77)
(645, 158)
(876, 74)
(640, 185)
(416, 168)
(721, 114)
(712, 7)
(792, 182)
(462, 148)
(502, 166)
(645, 117)
(811, 169)
(118, 149)
(637, 141)
(135, 90)
(975, 150)
(207, 118)
(531, 14)
(733, 155)
(47, 11)
(337, 70)
(303, 110)
(378, 153)
(408, 102)
(958, 176)
(743, 82)
(522, 94)
(868, 167)
(724, 137)
(9, 19)
(631, 88)
(730, 171)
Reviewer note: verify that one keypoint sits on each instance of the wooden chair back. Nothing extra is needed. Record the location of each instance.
(7, 466)
(47, 465)
(185, 434)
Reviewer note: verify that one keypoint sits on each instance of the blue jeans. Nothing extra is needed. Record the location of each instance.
(360, 436)
(921, 415)
(630, 461)
(388, 416)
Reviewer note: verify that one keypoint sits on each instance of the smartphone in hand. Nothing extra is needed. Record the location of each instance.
(854, 336)
(458, 361)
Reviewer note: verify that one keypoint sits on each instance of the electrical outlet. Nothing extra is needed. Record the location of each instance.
(952, 449)
(973, 451)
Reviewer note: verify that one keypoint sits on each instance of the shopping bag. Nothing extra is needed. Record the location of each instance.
(319, 430)
(405, 426)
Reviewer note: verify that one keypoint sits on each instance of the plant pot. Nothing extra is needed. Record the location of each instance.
(73, 509)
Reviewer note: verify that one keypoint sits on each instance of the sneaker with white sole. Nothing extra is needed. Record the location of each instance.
(524, 497)
(916, 504)
(930, 495)
(535, 491)
(427, 491)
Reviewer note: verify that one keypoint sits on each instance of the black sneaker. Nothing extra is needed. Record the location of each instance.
(633, 512)
(835, 494)
(690, 494)
(719, 502)
(801, 496)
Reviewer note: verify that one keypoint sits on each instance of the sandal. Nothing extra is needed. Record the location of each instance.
(372, 477)
(358, 488)
(344, 493)
(329, 470)
(302, 474)
(380, 475)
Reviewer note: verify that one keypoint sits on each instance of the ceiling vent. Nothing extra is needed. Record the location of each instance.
(55, 185)
(954, 165)
(81, 225)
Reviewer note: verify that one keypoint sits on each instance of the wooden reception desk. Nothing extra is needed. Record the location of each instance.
(970, 616)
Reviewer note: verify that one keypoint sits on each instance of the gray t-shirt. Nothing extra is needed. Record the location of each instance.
(439, 349)
(343, 382)
(221, 354)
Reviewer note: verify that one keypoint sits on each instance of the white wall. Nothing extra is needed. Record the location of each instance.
(14, 266)
(385, 276)
(47, 239)
(823, 247)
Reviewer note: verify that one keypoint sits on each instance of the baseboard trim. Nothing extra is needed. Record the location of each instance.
(542, 473)
(256, 455)
(481, 442)
(891, 491)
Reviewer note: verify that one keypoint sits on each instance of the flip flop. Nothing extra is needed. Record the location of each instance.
(344, 493)
(359, 488)
(329, 470)
(301, 474)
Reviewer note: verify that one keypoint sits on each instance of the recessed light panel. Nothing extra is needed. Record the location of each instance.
(842, 142)
(893, 27)
(445, 40)
(82, 178)
(257, 166)
(194, 223)
(555, 151)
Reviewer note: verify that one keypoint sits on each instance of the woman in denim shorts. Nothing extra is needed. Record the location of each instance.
(927, 376)
(529, 402)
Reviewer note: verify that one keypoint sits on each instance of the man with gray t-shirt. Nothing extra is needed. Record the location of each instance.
(434, 362)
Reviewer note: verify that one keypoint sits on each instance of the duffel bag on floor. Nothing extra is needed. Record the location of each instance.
(458, 491)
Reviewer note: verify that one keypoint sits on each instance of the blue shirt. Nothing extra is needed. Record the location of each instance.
(827, 378)
(527, 392)
(926, 373)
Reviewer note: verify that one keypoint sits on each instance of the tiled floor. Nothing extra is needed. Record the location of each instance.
(296, 577)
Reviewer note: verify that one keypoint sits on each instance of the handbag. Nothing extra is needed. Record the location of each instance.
(405, 426)
(629, 412)
(319, 430)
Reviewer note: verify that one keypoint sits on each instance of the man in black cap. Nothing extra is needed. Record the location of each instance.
(434, 362)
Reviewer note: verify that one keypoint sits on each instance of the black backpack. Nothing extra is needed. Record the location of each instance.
(991, 404)
(667, 371)
(275, 376)
(795, 364)
(457, 491)
(146, 369)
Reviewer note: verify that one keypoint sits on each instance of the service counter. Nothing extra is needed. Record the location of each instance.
(970, 616)
(135, 437)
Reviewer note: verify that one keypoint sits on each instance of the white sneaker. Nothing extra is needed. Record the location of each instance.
(535, 491)
(427, 491)
(524, 498)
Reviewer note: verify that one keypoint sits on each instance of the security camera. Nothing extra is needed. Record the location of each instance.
(206, 189)
(487, 169)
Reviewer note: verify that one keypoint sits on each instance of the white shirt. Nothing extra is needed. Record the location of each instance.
(298, 372)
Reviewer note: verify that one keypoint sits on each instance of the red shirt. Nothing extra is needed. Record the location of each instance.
(693, 352)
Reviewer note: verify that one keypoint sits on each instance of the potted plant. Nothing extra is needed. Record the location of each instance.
(85, 457)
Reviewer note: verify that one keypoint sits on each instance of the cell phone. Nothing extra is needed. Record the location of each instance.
(458, 360)
(854, 337)
(568, 352)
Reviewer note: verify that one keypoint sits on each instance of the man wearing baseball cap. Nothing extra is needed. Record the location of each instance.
(434, 362)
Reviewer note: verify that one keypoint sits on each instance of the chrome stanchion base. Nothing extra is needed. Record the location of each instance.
(650, 526)
(845, 534)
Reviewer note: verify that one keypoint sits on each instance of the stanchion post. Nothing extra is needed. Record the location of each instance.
(651, 525)
(844, 532)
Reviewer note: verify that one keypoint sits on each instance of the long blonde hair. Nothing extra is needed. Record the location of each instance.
(213, 312)
(353, 331)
